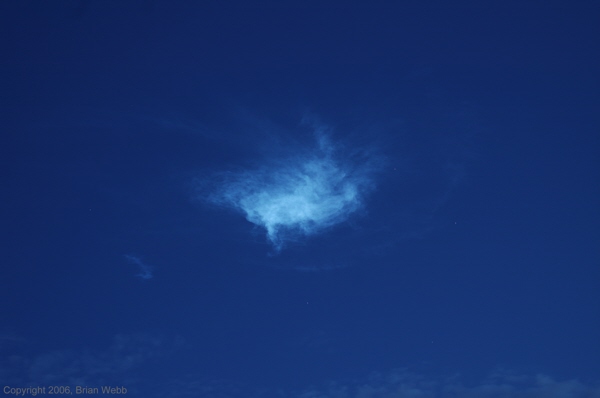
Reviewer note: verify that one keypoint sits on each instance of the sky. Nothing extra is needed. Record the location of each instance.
(300, 199)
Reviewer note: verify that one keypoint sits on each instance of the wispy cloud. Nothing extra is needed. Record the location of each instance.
(399, 383)
(301, 194)
(120, 363)
(145, 269)
(402, 383)
(137, 362)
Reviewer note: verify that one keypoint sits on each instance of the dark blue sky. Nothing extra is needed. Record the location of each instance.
(331, 199)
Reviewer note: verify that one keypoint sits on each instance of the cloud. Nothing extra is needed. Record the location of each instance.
(302, 194)
(403, 383)
(398, 383)
(121, 363)
(145, 269)
(140, 362)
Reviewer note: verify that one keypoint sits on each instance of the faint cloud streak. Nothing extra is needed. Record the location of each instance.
(145, 270)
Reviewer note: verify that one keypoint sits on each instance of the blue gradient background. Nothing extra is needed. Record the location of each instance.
(471, 268)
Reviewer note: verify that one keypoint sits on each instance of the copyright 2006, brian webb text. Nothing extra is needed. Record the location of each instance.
(63, 390)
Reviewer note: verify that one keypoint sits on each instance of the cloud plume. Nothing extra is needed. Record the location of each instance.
(302, 194)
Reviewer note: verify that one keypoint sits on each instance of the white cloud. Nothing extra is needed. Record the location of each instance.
(301, 194)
